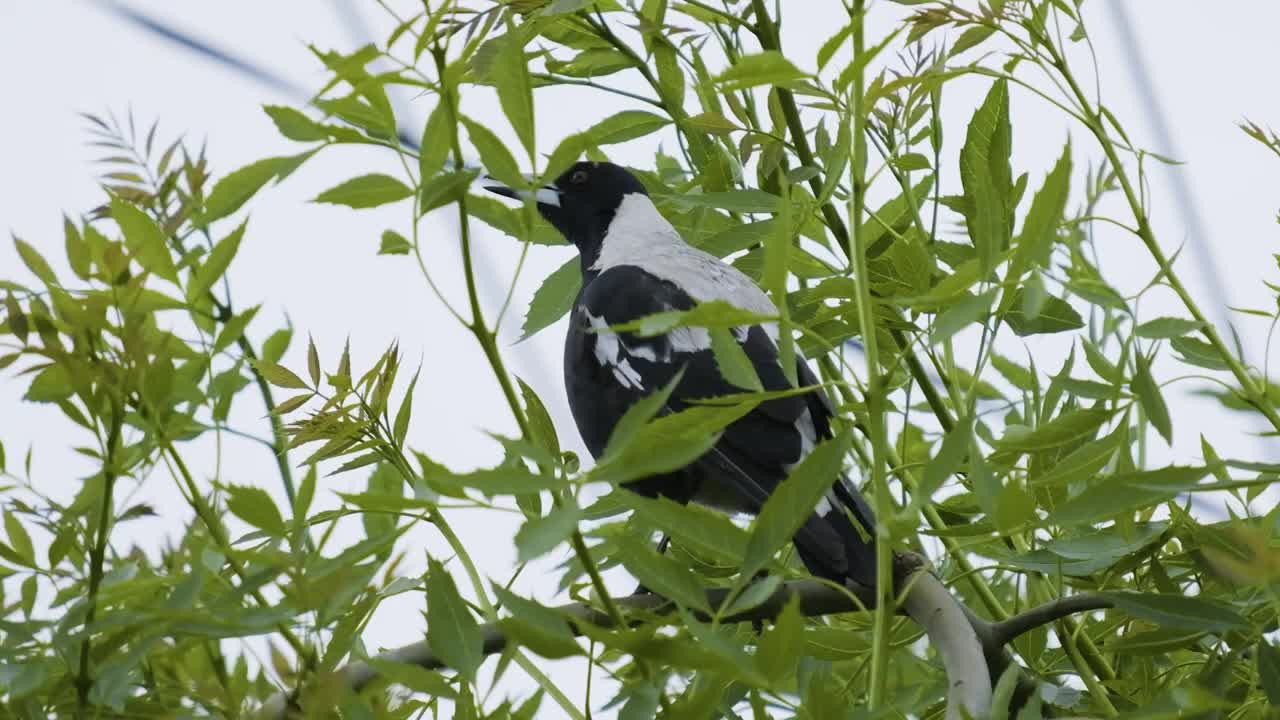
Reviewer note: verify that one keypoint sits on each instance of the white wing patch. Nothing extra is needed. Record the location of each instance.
(609, 351)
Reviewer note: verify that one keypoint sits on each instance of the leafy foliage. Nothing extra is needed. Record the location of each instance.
(1030, 481)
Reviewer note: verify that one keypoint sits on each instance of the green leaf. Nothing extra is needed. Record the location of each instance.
(985, 175)
(1194, 351)
(661, 574)
(495, 157)
(949, 459)
(393, 243)
(234, 329)
(77, 248)
(452, 631)
(665, 444)
(1164, 328)
(19, 539)
(554, 298)
(1121, 494)
(970, 309)
(50, 385)
(766, 68)
(504, 480)
(280, 376)
(35, 262)
(780, 648)
(145, 240)
(436, 141)
(295, 125)
(793, 501)
(415, 678)
(710, 122)
(1083, 463)
(746, 201)
(1178, 611)
(1069, 427)
(1148, 393)
(541, 428)
(366, 191)
(832, 44)
(710, 314)
(235, 189)
(1039, 230)
(215, 265)
(624, 126)
(515, 90)
(565, 154)
(732, 360)
(539, 628)
(445, 188)
(1269, 671)
(540, 535)
(708, 533)
(910, 162)
(971, 38)
(1056, 315)
(254, 506)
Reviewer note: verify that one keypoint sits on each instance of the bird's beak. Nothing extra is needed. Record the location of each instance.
(547, 195)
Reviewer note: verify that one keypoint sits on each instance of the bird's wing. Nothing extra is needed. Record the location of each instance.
(607, 372)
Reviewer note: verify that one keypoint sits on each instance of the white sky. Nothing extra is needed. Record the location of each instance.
(317, 263)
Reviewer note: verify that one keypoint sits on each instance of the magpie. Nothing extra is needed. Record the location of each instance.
(634, 264)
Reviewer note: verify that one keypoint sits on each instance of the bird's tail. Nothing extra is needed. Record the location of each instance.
(838, 542)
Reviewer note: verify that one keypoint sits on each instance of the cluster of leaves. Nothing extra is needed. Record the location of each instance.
(1033, 479)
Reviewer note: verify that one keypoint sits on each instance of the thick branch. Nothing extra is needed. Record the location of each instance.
(1003, 633)
(927, 601)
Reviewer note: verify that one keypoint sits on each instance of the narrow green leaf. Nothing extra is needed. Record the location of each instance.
(746, 201)
(793, 502)
(1040, 228)
(1056, 315)
(393, 243)
(832, 44)
(445, 188)
(703, 531)
(1120, 495)
(405, 413)
(985, 176)
(1164, 328)
(710, 122)
(254, 506)
(1269, 671)
(949, 459)
(281, 376)
(451, 629)
(539, 535)
(781, 646)
(541, 427)
(624, 126)
(732, 360)
(234, 328)
(515, 90)
(554, 298)
(235, 189)
(766, 68)
(145, 240)
(541, 629)
(1069, 427)
(661, 574)
(19, 539)
(495, 157)
(35, 262)
(295, 125)
(436, 142)
(366, 191)
(1178, 611)
(215, 265)
(78, 255)
(969, 310)
(1148, 393)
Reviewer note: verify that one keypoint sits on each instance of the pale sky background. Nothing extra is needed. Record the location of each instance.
(316, 264)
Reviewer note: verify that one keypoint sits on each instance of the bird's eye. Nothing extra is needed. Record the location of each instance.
(578, 177)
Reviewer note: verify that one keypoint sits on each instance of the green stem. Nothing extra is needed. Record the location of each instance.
(1093, 121)
(97, 557)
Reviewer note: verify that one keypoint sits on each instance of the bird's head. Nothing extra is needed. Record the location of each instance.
(581, 202)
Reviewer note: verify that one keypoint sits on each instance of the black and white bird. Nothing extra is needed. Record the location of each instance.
(634, 264)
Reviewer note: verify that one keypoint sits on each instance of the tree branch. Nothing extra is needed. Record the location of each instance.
(926, 600)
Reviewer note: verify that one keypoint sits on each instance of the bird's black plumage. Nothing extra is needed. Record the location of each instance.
(635, 264)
